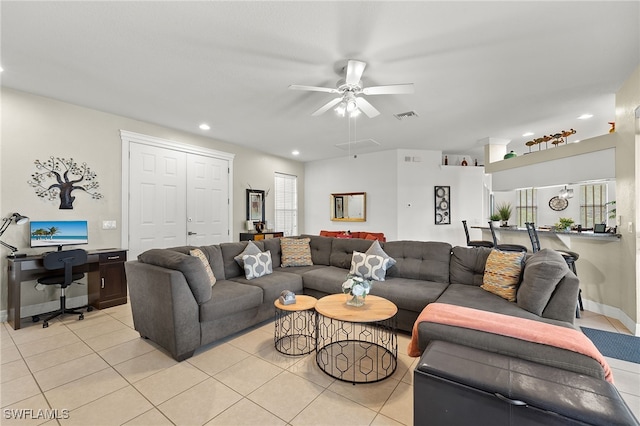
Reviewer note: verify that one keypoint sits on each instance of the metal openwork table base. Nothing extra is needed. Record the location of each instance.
(295, 327)
(357, 351)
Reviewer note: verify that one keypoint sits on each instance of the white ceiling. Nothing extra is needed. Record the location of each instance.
(481, 69)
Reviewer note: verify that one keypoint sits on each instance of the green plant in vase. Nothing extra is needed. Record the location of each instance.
(495, 218)
(504, 210)
(564, 224)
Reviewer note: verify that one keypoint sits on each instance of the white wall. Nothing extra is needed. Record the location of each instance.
(373, 173)
(400, 194)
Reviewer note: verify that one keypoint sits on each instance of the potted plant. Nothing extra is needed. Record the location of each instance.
(504, 210)
(495, 218)
(564, 224)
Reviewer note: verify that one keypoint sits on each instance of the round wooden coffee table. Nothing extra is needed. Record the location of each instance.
(357, 344)
(295, 326)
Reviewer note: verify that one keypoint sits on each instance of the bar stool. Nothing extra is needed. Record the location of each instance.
(569, 256)
(475, 243)
(504, 247)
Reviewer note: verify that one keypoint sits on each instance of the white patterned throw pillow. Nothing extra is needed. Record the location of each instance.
(257, 265)
(369, 266)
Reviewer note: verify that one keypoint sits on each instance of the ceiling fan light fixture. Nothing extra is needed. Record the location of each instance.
(356, 112)
(341, 109)
(351, 105)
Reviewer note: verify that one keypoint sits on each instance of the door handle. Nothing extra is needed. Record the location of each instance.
(192, 233)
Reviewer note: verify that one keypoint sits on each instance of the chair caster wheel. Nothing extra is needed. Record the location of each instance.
(81, 317)
(45, 324)
(35, 318)
(89, 308)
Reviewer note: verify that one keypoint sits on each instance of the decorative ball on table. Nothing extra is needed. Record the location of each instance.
(358, 288)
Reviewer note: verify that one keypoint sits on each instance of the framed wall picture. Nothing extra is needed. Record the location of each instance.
(255, 205)
(339, 208)
(442, 205)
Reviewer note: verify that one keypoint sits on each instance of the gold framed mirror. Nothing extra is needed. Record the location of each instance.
(349, 207)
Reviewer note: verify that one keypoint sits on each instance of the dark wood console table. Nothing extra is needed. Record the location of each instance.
(106, 280)
(255, 236)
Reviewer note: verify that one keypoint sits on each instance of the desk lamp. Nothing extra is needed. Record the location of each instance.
(20, 220)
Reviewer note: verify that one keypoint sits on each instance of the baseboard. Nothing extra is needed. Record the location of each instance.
(26, 312)
(612, 312)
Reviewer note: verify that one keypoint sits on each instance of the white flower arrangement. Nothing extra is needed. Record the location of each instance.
(356, 286)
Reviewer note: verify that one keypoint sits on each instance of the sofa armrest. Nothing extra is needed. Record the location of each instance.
(164, 308)
(563, 301)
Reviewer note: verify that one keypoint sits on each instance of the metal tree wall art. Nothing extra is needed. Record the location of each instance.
(68, 176)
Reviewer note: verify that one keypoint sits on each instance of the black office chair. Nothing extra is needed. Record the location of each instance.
(569, 256)
(65, 260)
(475, 243)
(504, 247)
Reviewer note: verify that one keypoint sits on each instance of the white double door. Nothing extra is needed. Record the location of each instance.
(176, 198)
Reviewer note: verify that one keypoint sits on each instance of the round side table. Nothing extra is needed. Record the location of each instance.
(295, 326)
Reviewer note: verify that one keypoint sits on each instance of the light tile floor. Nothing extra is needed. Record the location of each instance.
(103, 373)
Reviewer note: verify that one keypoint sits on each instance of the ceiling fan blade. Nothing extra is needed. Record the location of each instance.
(354, 71)
(366, 107)
(327, 106)
(391, 89)
(313, 88)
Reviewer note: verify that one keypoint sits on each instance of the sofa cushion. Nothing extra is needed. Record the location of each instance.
(190, 266)
(320, 249)
(229, 298)
(257, 265)
(342, 251)
(368, 266)
(205, 262)
(274, 284)
(295, 252)
(378, 251)
(327, 280)
(502, 273)
(421, 260)
(467, 265)
(542, 273)
(409, 294)
(229, 252)
(250, 249)
(273, 245)
(213, 253)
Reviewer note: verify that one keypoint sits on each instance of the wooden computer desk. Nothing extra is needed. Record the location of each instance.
(106, 280)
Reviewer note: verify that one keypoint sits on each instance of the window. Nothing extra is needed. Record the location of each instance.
(592, 204)
(286, 199)
(527, 207)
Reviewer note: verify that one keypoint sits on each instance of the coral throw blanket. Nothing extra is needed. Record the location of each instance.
(519, 328)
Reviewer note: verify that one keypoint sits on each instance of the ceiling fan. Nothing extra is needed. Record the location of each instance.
(349, 90)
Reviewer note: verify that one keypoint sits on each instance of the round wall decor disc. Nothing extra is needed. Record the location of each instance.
(558, 204)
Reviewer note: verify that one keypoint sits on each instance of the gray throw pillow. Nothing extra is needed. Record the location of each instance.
(369, 266)
(377, 250)
(250, 250)
(542, 273)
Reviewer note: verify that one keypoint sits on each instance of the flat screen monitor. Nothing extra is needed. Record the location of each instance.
(58, 233)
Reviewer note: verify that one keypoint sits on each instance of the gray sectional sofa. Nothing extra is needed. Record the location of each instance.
(175, 306)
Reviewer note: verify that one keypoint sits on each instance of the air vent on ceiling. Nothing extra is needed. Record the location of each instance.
(361, 144)
(408, 114)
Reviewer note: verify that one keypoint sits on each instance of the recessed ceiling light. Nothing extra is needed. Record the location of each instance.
(527, 134)
(204, 126)
(295, 152)
(585, 116)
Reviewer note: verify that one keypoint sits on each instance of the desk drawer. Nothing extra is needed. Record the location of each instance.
(115, 256)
